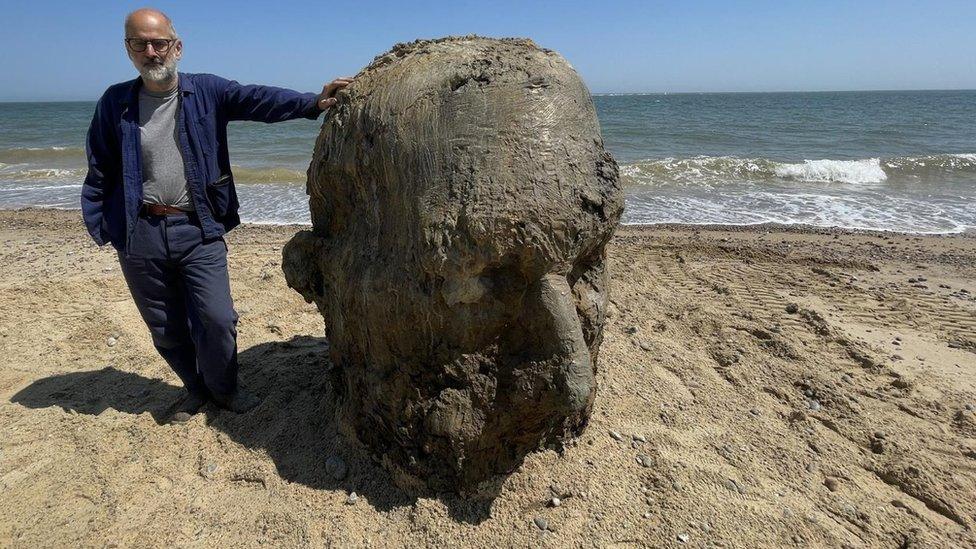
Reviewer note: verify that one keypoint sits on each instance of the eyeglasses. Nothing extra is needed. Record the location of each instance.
(160, 45)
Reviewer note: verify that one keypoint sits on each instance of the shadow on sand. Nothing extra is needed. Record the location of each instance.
(295, 422)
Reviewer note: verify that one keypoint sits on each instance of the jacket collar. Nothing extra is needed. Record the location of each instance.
(184, 83)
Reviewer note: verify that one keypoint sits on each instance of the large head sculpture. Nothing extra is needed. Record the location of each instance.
(461, 203)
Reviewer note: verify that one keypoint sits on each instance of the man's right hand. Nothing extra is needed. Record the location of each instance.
(327, 97)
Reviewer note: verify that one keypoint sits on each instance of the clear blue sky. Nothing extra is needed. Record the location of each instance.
(73, 50)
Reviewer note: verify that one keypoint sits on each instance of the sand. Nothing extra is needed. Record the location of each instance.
(769, 387)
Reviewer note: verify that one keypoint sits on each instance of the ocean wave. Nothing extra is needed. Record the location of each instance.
(868, 170)
(719, 169)
(10, 173)
(24, 172)
(271, 174)
(34, 154)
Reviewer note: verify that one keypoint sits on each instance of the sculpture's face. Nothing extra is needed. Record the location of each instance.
(461, 209)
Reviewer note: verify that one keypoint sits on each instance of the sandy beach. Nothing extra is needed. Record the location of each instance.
(759, 387)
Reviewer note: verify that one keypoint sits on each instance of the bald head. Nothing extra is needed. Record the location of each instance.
(149, 19)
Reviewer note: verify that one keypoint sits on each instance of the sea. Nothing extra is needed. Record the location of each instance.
(900, 161)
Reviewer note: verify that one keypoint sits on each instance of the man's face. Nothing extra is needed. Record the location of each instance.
(149, 31)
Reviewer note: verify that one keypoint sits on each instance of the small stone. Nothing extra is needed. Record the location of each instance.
(646, 346)
(111, 341)
(754, 411)
(683, 538)
(647, 515)
(632, 329)
(969, 407)
(639, 438)
(209, 470)
(733, 486)
(352, 499)
(645, 460)
(541, 523)
(831, 484)
(555, 502)
(616, 436)
(814, 405)
(811, 467)
(792, 308)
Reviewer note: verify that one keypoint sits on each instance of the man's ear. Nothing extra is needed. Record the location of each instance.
(179, 49)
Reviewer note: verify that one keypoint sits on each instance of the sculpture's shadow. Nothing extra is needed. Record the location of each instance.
(295, 423)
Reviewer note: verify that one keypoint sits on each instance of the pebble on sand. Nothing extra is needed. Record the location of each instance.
(352, 499)
(831, 484)
(209, 470)
(111, 341)
(683, 538)
(541, 523)
(616, 436)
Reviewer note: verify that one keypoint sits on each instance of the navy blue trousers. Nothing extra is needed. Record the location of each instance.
(180, 285)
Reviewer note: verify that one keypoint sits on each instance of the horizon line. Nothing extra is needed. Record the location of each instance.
(611, 94)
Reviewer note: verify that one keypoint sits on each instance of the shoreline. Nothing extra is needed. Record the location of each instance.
(793, 228)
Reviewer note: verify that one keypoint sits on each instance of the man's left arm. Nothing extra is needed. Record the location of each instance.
(271, 104)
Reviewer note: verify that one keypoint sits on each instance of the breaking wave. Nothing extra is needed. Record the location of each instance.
(716, 169)
(35, 154)
(274, 174)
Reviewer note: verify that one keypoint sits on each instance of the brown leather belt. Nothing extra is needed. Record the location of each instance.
(159, 209)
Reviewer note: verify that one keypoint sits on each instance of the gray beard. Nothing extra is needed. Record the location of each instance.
(159, 73)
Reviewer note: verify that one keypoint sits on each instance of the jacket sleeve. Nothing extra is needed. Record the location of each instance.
(102, 149)
(266, 103)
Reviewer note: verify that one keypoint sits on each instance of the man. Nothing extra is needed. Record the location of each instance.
(160, 189)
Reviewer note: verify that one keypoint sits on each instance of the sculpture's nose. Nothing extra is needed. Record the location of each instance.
(553, 310)
(551, 339)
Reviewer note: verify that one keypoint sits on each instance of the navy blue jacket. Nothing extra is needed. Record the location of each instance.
(112, 193)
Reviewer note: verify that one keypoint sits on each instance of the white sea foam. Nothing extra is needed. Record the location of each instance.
(842, 171)
(717, 170)
(45, 174)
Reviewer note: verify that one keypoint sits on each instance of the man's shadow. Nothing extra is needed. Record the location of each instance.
(295, 422)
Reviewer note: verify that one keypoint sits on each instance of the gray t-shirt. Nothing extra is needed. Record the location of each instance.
(163, 177)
